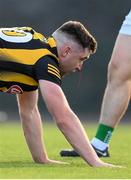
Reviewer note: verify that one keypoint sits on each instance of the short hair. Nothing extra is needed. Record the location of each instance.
(80, 34)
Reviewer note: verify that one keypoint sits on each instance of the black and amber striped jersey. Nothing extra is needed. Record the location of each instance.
(26, 56)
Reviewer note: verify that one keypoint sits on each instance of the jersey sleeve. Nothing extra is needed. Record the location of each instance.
(47, 68)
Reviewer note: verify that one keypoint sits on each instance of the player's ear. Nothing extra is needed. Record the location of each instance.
(66, 51)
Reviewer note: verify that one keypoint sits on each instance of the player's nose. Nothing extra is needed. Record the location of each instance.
(79, 67)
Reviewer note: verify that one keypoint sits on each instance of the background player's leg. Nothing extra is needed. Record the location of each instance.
(117, 93)
(116, 98)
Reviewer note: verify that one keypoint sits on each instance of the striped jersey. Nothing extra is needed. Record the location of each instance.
(26, 56)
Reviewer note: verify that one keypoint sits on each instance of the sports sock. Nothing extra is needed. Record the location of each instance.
(102, 138)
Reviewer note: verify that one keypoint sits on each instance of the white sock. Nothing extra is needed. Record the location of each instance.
(97, 143)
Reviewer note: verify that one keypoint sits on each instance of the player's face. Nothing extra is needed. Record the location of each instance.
(73, 60)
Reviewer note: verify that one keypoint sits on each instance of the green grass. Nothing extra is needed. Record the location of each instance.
(16, 162)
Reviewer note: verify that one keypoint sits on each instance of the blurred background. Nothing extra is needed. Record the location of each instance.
(103, 18)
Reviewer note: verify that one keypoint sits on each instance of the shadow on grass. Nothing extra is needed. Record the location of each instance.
(19, 164)
(25, 164)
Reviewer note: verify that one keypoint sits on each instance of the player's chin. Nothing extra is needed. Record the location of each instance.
(66, 73)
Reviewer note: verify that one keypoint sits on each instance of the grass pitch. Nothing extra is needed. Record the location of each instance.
(16, 162)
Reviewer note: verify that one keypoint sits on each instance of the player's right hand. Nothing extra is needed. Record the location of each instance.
(50, 161)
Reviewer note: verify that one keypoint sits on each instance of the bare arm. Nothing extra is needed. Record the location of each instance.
(32, 126)
(31, 123)
(68, 122)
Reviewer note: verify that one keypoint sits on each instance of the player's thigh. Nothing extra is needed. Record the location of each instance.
(27, 100)
(120, 63)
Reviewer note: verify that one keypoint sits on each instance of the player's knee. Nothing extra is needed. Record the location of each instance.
(114, 72)
(111, 71)
(25, 109)
(118, 74)
(25, 113)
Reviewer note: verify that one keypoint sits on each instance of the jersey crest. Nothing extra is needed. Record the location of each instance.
(15, 89)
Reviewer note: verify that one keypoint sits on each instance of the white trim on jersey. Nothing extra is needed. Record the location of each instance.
(19, 36)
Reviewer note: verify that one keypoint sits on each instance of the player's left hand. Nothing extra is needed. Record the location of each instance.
(108, 165)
